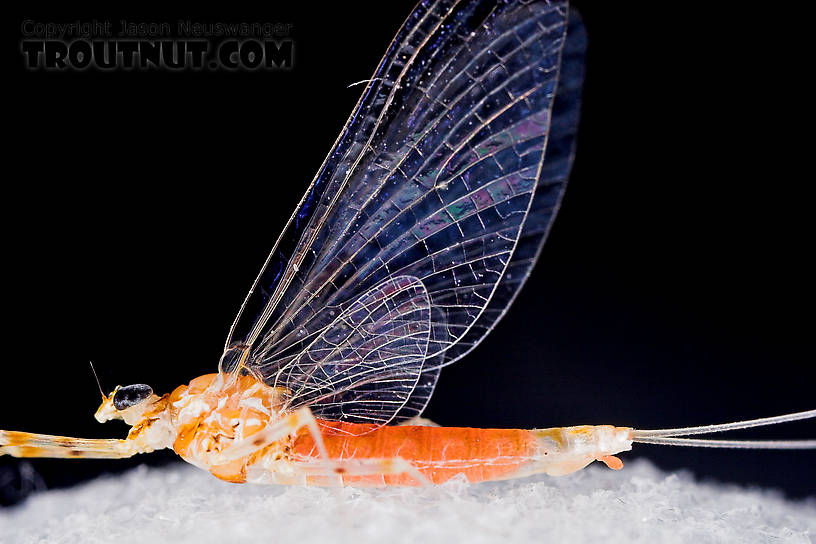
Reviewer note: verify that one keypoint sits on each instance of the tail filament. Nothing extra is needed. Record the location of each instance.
(672, 437)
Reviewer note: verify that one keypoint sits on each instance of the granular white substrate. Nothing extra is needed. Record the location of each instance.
(182, 504)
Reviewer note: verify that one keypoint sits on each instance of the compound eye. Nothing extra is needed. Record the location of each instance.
(131, 395)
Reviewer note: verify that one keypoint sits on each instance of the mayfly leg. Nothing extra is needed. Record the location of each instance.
(19, 444)
(289, 425)
(343, 468)
(395, 465)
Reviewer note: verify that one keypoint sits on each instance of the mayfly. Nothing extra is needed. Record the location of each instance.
(412, 241)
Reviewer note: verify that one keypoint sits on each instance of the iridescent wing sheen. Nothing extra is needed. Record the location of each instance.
(432, 179)
(552, 181)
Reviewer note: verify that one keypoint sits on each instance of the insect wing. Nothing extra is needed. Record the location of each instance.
(552, 181)
(366, 363)
(432, 178)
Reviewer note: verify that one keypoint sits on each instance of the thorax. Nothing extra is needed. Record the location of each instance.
(214, 411)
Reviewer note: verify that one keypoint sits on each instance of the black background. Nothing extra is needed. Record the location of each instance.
(675, 289)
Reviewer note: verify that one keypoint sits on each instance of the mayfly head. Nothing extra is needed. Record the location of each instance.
(127, 403)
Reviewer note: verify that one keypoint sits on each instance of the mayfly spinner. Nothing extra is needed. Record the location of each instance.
(413, 239)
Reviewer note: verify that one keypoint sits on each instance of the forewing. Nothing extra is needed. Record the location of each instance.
(552, 181)
(432, 178)
(549, 191)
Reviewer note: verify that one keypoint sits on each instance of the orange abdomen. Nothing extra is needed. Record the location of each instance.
(439, 453)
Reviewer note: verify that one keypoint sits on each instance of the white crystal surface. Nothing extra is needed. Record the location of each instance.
(183, 504)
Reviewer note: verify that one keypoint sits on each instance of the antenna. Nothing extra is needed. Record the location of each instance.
(99, 385)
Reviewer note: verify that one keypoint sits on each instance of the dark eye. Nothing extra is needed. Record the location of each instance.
(130, 395)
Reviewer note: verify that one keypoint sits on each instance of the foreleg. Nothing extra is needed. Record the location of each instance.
(19, 444)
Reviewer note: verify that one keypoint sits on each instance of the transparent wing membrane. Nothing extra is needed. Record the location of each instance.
(364, 366)
(555, 169)
(439, 179)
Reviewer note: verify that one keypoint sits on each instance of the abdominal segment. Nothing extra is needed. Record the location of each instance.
(437, 453)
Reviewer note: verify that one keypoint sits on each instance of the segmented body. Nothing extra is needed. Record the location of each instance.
(439, 453)
(210, 415)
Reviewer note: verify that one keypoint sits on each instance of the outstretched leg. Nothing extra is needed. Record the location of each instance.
(19, 444)
(289, 425)
(362, 472)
